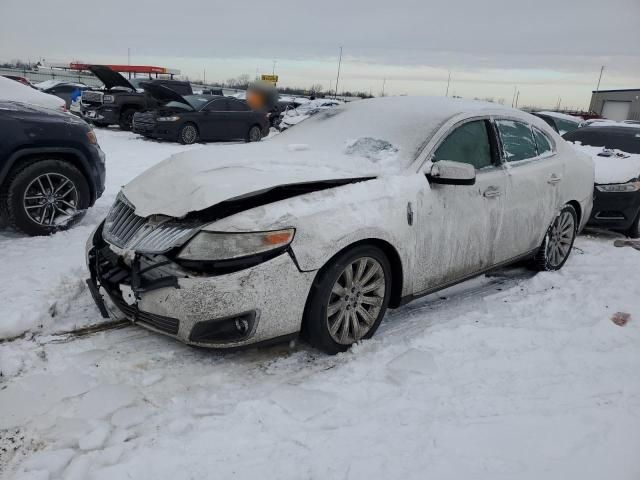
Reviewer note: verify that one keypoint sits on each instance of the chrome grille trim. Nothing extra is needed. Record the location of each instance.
(126, 230)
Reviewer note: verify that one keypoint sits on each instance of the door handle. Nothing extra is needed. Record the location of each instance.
(553, 179)
(492, 192)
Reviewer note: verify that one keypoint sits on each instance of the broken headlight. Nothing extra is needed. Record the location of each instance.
(216, 246)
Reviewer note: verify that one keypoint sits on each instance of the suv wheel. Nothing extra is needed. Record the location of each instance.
(558, 241)
(348, 299)
(188, 134)
(126, 119)
(45, 196)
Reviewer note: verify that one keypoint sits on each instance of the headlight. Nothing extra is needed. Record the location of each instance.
(212, 246)
(168, 119)
(619, 187)
(108, 99)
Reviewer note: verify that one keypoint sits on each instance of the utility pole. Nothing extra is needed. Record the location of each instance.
(600, 78)
(517, 98)
(338, 76)
(448, 82)
(129, 59)
(513, 99)
(384, 82)
(273, 70)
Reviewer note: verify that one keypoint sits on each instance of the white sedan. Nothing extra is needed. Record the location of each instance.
(319, 230)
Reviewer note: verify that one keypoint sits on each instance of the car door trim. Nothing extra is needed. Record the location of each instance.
(413, 296)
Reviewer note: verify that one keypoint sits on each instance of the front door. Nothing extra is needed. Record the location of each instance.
(216, 121)
(458, 224)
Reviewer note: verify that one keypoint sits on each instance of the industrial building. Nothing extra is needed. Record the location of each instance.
(616, 104)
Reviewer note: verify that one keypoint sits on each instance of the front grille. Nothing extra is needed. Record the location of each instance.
(164, 324)
(89, 96)
(156, 234)
(144, 121)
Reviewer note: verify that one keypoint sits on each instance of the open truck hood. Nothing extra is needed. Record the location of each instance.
(191, 182)
(164, 94)
(110, 78)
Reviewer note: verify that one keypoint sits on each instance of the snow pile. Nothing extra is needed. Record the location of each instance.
(619, 167)
(374, 149)
(511, 376)
(17, 92)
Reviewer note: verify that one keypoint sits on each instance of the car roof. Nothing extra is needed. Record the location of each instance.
(626, 129)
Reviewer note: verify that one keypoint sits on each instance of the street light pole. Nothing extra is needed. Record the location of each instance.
(273, 70)
(600, 78)
(338, 76)
(448, 82)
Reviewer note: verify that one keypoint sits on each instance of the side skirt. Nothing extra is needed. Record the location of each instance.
(408, 298)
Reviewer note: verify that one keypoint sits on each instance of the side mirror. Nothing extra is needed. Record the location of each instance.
(447, 172)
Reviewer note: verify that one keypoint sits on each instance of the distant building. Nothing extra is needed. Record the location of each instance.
(617, 104)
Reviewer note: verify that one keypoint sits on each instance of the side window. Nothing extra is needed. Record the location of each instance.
(219, 105)
(517, 140)
(565, 126)
(469, 143)
(542, 141)
(238, 106)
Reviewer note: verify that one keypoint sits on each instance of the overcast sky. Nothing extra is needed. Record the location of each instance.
(548, 48)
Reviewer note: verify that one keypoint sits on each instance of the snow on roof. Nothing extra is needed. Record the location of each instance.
(618, 168)
(562, 116)
(405, 122)
(15, 91)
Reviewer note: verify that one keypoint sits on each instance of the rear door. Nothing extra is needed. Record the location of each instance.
(534, 175)
(458, 224)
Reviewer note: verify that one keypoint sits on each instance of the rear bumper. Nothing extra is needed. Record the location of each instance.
(614, 210)
(251, 306)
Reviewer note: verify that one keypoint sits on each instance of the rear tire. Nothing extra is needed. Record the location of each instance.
(254, 134)
(344, 308)
(28, 210)
(558, 241)
(126, 119)
(188, 134)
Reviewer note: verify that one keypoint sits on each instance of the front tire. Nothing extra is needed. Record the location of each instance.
(188, 134)
(558, 241)
(126, 119)
(254, 134)
(45, 196)
(348, 299)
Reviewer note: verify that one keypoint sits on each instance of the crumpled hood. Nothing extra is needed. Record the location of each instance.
(198, 179)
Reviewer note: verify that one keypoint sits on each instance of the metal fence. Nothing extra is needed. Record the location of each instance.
(42, 74)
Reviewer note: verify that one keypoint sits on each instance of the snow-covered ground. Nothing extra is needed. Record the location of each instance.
(510, 376)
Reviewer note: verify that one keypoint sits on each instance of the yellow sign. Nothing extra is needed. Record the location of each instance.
(270, 78)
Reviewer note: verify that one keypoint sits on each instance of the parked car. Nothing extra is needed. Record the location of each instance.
(21, 80)
(51, 168)
(560, 122)
(11, 90)
(195, 118)
(616, 198)
(69, 92)
(120, 99)
(301, 110)
(320, 229)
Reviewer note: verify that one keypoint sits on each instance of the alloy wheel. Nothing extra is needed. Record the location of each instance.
(355, 300)
(51, 199)
(254, 134)
(189, 134)
(560, 238)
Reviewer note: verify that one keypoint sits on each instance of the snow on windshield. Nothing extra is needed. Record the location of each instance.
(402, 124)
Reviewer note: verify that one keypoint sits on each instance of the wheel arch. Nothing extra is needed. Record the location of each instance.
(576, 206)
(73, 156)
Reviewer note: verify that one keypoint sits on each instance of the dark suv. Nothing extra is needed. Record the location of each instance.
(51, 168)
(120, 99)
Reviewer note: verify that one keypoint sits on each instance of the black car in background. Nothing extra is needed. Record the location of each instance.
(193, 118)
(51, 168)
(561, 123)
(120, 99)
(615, 206)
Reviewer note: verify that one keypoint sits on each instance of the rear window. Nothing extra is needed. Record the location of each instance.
(626, 141)
(517, 140)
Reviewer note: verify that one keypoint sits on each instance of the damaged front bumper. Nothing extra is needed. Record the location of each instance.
(259, 304)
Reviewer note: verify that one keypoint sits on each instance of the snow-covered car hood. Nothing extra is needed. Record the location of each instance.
(17, 92)
(620, 167)
(193, 181)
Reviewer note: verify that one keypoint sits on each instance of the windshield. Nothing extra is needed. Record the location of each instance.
(198, 101)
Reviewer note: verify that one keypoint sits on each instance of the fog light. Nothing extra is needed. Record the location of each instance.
(224, 330)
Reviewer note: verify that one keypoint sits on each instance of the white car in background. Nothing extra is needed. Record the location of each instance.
(17, 92)
(305, 109)
(319, 230)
